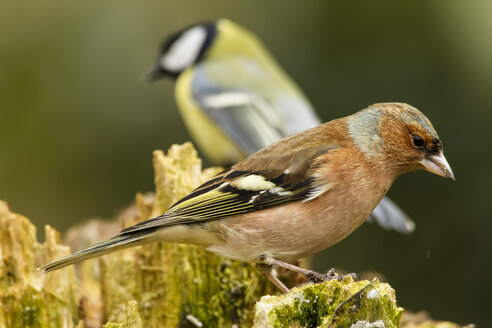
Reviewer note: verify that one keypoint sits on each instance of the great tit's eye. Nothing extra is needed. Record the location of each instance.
(418, 141)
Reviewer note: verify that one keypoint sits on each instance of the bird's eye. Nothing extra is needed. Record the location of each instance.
(418, 141)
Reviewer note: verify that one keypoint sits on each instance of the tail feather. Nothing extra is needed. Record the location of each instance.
(105, 247)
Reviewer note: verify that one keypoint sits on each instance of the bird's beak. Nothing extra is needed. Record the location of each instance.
(155, 73)
(438, 164)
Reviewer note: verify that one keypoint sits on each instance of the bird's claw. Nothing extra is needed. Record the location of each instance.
(330, 275)
(333, 275)
(316, 277)
(319, 277)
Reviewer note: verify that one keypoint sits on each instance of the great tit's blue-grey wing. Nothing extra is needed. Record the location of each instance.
(248, 105)
(389, 216)
(248, 120)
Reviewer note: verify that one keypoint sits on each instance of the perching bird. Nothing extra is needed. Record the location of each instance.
(297, 196)
(235, 99)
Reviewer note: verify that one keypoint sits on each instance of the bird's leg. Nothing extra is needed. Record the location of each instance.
(311, 275)
(267, 271)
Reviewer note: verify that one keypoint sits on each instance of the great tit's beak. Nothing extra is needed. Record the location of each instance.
(438, 164)
(155, 73)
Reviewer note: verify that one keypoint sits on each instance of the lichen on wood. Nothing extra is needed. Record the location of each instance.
(131, 318)
(29, 298)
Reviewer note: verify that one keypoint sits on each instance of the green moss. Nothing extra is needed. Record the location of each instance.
(113, 325)
(29, 298)
(31, 309)
(330, 304)
(131, 318)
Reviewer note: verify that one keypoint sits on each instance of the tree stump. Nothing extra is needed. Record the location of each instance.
(162, 284)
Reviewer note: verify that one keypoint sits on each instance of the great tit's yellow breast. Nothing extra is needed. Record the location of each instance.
(210, 139)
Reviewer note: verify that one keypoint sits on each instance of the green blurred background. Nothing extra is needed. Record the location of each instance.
(77, 128)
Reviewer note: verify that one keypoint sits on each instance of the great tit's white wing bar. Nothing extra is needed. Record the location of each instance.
(389, 216)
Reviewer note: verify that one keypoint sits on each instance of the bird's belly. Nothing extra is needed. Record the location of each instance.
(289, 232)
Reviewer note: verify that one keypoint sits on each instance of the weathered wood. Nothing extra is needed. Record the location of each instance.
(29, 298)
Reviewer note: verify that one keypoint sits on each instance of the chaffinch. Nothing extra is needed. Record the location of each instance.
(297, 196)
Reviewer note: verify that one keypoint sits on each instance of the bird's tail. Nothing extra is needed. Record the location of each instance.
(116, 243)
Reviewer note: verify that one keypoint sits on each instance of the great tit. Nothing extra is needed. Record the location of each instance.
(235, 99)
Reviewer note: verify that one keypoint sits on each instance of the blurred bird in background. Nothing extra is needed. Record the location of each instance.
(296, 196)
(235, 99)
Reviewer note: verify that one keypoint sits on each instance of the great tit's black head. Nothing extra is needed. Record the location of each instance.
(183, 49)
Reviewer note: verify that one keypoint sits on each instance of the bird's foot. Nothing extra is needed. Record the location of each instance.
(312, 276)
(316, 277)
(331, 274)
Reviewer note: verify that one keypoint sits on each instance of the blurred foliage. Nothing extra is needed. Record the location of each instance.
(77, 127)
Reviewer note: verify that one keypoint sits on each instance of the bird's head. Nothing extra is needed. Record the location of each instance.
(182, 50)
(402, 136)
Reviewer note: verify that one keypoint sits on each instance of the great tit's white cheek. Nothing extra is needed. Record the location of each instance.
(185, 50)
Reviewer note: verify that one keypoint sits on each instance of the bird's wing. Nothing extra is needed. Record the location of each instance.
(246, 118)
(389, 216)
(244, 189)
(248, 103)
